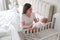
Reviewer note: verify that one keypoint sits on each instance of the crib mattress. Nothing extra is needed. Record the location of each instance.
(43, 34)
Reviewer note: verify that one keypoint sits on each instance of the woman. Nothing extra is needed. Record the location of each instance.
(28, 17)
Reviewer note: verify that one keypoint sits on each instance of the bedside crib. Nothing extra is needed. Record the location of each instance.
(45, 9)
(46, 32)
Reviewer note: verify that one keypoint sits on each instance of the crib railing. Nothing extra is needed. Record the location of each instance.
(47, 26)
(54, 36)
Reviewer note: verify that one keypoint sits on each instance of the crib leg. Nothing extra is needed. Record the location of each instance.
(58, 37)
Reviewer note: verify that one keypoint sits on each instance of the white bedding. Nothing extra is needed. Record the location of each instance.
(4, 30)
(39, 24)
(12, 20)
(15, 35)
(8, 30)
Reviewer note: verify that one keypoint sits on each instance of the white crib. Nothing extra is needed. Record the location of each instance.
(46, 32)
(40, 8)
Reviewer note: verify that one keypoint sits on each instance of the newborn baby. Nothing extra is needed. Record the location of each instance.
(40, 23)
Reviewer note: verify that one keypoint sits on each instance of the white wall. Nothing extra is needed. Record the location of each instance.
(55, 2)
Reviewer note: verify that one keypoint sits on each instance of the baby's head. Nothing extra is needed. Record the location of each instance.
(44, 20)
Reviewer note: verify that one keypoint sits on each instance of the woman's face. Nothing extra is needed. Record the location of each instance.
(29, 11)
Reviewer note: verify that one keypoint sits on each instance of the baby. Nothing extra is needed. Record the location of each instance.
(39, 24)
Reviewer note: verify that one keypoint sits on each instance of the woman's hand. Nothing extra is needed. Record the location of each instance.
(30, 26)
(34, 28)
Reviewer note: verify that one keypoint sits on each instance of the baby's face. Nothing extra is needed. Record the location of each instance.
(44, 20)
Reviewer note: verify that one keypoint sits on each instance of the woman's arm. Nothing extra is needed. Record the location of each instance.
(24, 26)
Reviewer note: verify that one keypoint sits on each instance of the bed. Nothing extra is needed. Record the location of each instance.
(8, 25)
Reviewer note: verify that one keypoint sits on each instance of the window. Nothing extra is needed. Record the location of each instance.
(13, 4)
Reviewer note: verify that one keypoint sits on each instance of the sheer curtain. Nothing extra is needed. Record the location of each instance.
(13, 4)
(2, 5)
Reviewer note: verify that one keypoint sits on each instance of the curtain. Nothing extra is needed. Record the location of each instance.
(2, 5)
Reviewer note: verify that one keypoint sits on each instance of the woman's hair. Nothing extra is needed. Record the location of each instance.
(26, 7)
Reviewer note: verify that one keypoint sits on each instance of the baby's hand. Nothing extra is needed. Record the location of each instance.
(29, 29)
(34, 28)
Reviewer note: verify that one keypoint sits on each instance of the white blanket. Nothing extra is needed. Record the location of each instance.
(39, 24)
(8, 29)
(9, 21)
(14, 32)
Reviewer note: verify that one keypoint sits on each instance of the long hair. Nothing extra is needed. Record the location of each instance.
(26, 7)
